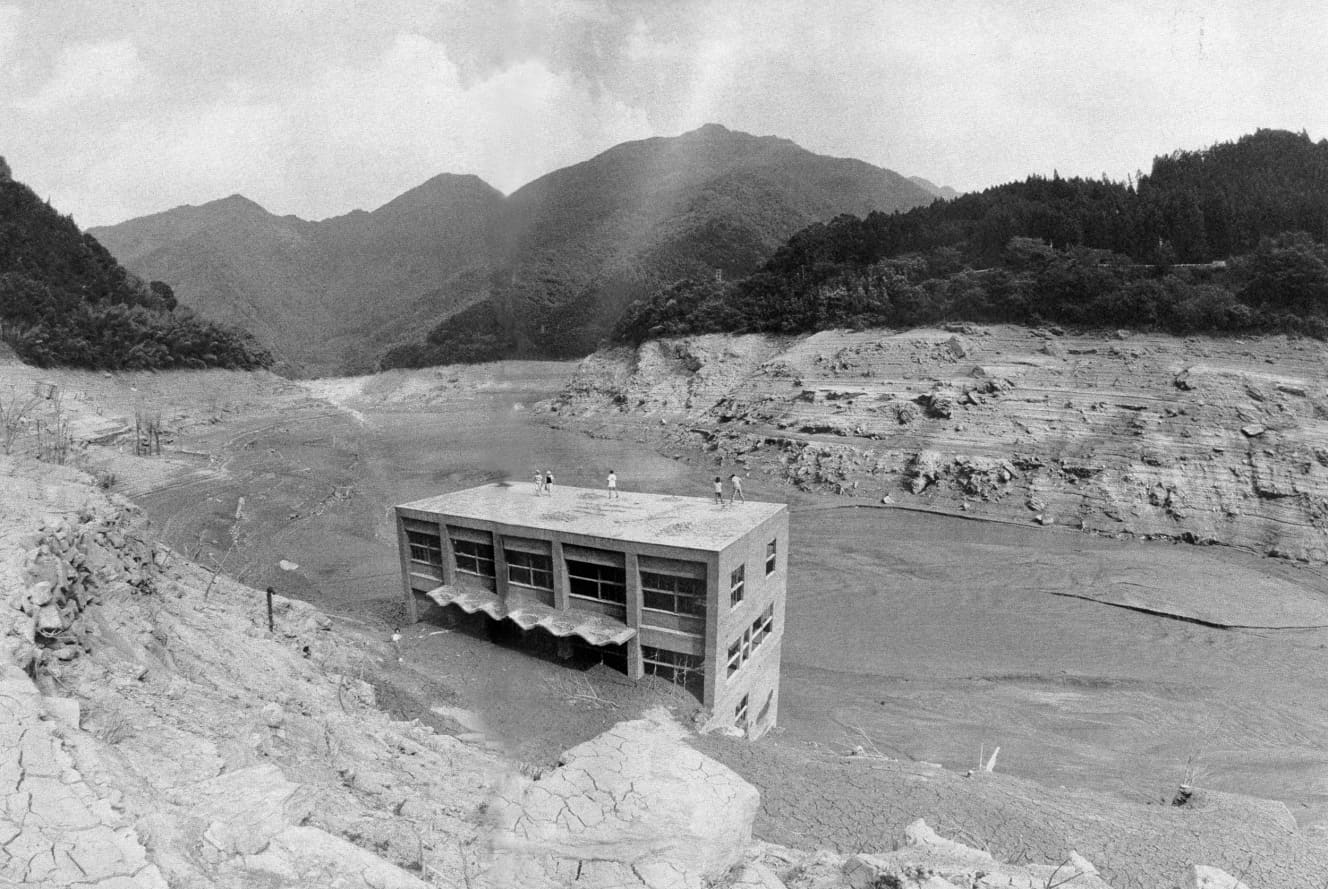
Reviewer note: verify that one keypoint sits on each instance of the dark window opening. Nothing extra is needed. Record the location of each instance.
(740, 712)
(677, 595)
(736, 583)
(612, 656)
(686, 670)
(607, 583)
(764, 625)
(425, 548)
(473, 557)
(770, 557)
(529, 569)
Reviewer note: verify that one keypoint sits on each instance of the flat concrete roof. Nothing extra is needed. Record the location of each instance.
(686, 522)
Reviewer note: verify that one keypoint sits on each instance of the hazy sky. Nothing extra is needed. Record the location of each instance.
(116, 108)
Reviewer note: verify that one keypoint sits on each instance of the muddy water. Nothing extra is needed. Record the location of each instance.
(920, 636)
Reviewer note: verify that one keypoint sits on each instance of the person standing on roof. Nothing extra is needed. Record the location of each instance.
(539, 482)
(613, 485)
(719, 491)
(548, 482)
(735, 486)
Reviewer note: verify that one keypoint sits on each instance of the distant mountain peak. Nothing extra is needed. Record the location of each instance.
(940, 191)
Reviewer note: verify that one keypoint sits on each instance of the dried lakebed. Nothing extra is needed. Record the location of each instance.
(923, 637)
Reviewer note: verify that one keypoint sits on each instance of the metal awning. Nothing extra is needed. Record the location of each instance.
(597, 629)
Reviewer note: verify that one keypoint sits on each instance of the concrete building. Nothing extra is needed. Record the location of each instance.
(676, 587)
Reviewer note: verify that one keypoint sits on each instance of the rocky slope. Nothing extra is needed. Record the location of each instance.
(555, 262)
(157, 734)
(1205, 440)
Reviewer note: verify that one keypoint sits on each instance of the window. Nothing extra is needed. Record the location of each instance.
(764, 625)
(740, 712)
(426, 544)
(590, 580)
(529, 569)
(687, 670)
(736, 584)
(752, 637)
(473, 557)
(740, 651)
(770, 559)
(677, 595)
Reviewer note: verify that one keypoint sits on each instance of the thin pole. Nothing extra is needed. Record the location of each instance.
(270, 628)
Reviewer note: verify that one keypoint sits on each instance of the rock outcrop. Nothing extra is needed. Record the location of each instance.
(1199, 439)
(632, 807)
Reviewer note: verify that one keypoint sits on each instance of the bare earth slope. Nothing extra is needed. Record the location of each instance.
(1213, 441)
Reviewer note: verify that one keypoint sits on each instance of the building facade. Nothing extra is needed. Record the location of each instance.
(677, 587)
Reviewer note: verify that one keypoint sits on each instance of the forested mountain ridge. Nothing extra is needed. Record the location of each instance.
(323, 295)
(65, 300)
(544, 272)
(1227, 239)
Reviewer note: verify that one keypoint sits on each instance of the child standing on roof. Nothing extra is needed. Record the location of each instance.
(548, 482)
(735, 485)
(719, 491)
(613, 485)
(539, 482)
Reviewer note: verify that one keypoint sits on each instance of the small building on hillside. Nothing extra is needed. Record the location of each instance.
(676, 587)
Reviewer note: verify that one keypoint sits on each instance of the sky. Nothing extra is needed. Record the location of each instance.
(113, 109)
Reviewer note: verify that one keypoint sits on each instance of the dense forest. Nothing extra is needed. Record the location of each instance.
(1225, 240)
(64, 300)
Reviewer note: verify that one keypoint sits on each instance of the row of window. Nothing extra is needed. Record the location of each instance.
(606, 583)
(738, 577)
(742, 648)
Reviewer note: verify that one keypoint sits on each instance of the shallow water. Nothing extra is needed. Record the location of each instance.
(921, 636)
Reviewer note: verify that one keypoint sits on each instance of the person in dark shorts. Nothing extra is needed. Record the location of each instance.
(719, 491)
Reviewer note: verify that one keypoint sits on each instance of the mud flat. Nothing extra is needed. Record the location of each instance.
(928, 638)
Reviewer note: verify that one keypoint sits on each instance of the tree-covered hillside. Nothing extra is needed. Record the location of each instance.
(64, 300)
(1227, 239)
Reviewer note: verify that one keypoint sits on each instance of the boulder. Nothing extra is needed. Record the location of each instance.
(1200, 876)
(244, 809)
(633, 807)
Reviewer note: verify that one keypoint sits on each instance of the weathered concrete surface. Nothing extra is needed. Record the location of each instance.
(632, 807)
(1203, 439)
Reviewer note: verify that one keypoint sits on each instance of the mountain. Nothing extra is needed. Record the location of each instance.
(65, 300)
(544, 272)
(323, 295)
(1232, 239)
(944, 192)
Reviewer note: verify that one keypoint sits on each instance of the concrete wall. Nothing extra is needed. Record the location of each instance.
(759, 676)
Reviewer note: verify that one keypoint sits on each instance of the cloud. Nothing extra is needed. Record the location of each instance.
(88, 71)
(9, 19)
(353, 136)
